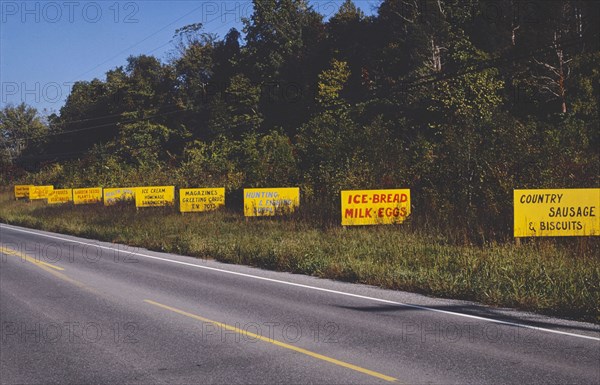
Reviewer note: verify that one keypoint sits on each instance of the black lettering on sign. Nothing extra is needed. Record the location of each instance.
(564, 212)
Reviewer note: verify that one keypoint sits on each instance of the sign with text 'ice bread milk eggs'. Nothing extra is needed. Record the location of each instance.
(260, 202)
(118, 194)
(375, 207)
(201, 199)
(40, 192)
(556, 212)
(63, 195)
(154, 196)
(22, 190)
(87, 196)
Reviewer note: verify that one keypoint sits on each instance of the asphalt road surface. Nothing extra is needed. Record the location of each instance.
(79, 311)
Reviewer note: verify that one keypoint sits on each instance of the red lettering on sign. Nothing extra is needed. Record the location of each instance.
(391, 212)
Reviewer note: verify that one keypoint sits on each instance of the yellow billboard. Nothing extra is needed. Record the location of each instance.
(201, 199)
(119, 194)
(22, 190)
(375, 207)
(86, 196)
(40, 192)
(260, 202)
(154, 196)
(64, 195)
(556, 212)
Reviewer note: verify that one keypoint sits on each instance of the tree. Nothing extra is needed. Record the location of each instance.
(235, 112)
(226, 56)
(564, 30)
(281, 39)
(88, 117)
(331, 83)
(194, 66)
(150, 85)
(142, 143)
(273, 36)
(350, 39)
(267, 160)
(22, 135)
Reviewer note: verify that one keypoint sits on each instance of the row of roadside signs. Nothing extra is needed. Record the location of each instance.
(147, 196)
(541, 212)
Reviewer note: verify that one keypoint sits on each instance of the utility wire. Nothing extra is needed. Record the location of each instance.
(469, 68)
(415, 82)
(128, 49)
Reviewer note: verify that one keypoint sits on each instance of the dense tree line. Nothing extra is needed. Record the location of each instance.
(461, 101)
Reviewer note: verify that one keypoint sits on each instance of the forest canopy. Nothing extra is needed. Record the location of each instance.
(460, 101)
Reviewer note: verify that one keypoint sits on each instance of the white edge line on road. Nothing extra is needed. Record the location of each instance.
(492, 320)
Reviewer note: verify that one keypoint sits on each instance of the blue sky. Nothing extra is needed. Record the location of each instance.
(45, 46)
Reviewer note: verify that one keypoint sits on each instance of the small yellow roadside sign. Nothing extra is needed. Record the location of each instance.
(22, 190)
(119, 194)
(556, 212)
(86, 196)
(375, 207)
(260, 202)
(154, 196)
(40, 192)
(64, 195)
(201, 199)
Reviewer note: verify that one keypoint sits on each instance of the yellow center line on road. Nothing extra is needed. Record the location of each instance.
(27, 258)
(47, 267)
(277, 343)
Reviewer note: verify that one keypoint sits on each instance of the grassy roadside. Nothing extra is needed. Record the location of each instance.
(543, 276)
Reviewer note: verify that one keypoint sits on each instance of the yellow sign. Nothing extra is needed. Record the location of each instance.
(40, 192)
(201, 199)
(114, 195)
(61, 196)
(22, 190)
(375, 207)
(153, 196)
(260, 202)
(86, 196)
(558, 212)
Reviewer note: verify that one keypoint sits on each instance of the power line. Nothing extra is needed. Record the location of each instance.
(148, 37)
(147, 53)
(469, 68)
(56, 156)
(414, 82)
(101, 125)
(119, 114)
(128, 49)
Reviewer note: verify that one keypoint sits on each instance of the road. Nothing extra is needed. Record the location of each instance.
(74, 310)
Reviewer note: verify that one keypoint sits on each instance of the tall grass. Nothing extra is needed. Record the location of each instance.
(557, 277)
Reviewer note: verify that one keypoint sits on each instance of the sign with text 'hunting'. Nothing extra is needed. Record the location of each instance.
(22, 190)
(375, 207)
(40, 192)
(259, 202)
(58, 196)
(87, 196)
(557, 212)
(112, 196)
(154, 196)
(201, 199)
